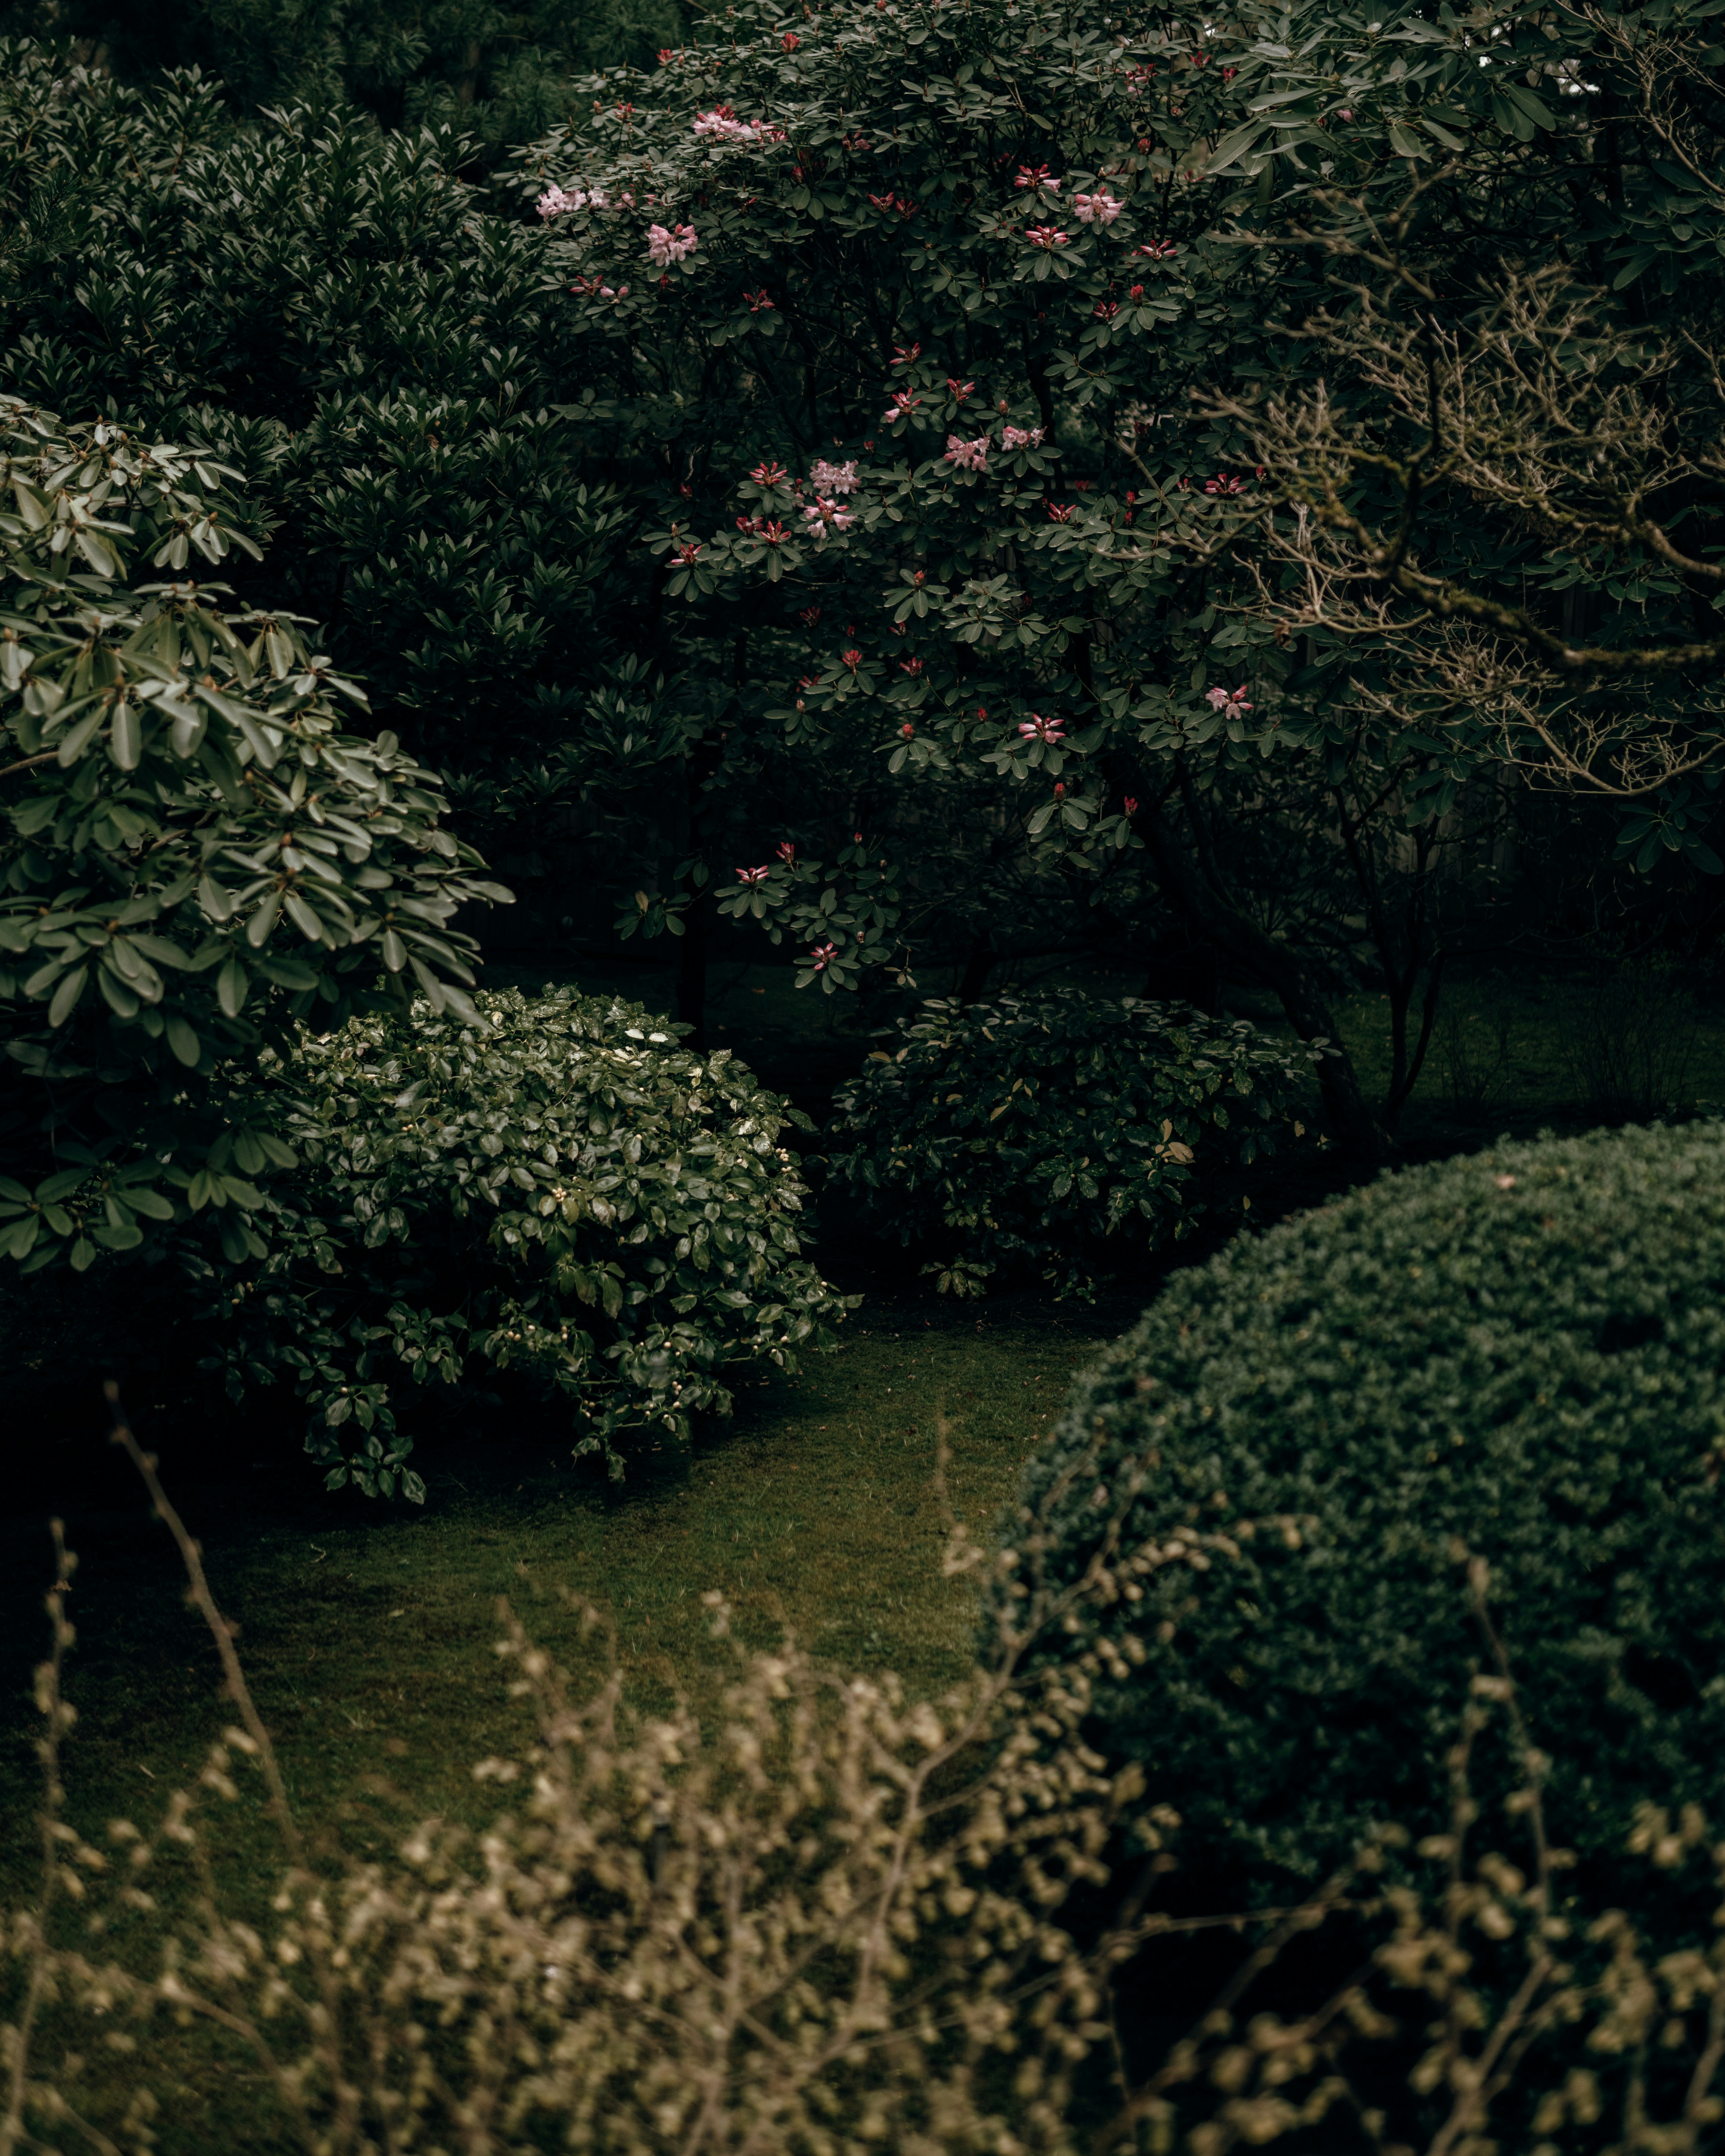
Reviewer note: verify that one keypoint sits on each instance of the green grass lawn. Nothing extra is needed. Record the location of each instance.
(367, 1631)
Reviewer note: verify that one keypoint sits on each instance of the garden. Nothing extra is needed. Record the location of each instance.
(862, 1141)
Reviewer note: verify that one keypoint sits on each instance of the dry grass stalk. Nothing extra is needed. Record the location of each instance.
(835, 1923)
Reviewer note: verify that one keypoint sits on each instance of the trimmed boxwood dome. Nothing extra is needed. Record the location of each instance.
(1521, 1351)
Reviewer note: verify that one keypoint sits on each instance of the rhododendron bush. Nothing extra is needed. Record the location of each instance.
(982, 260)
(203, 848)
(1059, 1135)
(558, 1187)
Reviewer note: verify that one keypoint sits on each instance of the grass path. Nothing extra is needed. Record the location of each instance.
(366, 1633)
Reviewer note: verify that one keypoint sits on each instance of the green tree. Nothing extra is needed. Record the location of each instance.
(981, 318)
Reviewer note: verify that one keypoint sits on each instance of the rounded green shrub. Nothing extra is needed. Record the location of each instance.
(1052, 1133)
(561, 1189)
(1521, 1355)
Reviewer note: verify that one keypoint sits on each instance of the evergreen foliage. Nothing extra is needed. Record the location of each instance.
(1517, 1355)
(201, 850)
(548, 1184)
(1056, 1133)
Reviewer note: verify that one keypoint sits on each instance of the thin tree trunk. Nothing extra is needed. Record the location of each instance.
(702, 766)
(1197, 892)
(692, 960)
(704, 760)
(978, 966)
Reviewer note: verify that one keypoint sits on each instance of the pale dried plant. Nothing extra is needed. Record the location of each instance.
(837, 1922)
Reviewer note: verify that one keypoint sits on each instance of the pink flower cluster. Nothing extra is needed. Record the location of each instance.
(1046, 236)
(1099, 208)
(1037, 728)
(555, 202)
(904, 403)
(1036, 175)
(832, 479)
(666, 247)
(721, 124)
(968, 456)
(1022, 438)
(827, 515)
(1230, 702)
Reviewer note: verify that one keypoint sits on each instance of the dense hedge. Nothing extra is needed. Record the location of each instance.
(1052, 1132)
(1521, 1350)
(561, 1189)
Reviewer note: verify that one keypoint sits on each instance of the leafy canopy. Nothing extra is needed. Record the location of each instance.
(198, 850)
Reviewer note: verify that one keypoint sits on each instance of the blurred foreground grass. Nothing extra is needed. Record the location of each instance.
(367, 1633)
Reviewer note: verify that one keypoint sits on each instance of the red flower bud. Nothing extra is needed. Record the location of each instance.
(907, 730)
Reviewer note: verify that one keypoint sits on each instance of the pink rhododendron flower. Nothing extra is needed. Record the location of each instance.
(1061, 512)
(1037, 728)
(832, 479)
(1021, 438)
(913, 667)
(721, 124)
(769, 475)
(904, 403)
(1230, 702)
(1130, 806)
(1221, 484)
(829, 516)
(1157, 250)
(751, 877)
(1036, 176)
(821, 953)
(664, 247)
(853, 659)
(554, 202)
(786, 850)
(958, 390)
(1046, 236)
(1099, 208)
(968, 456)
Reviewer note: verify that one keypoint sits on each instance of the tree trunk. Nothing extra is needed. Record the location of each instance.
(705, 758)
(1196, 891)
(977, 967)
(704, 761)
(691, 964)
